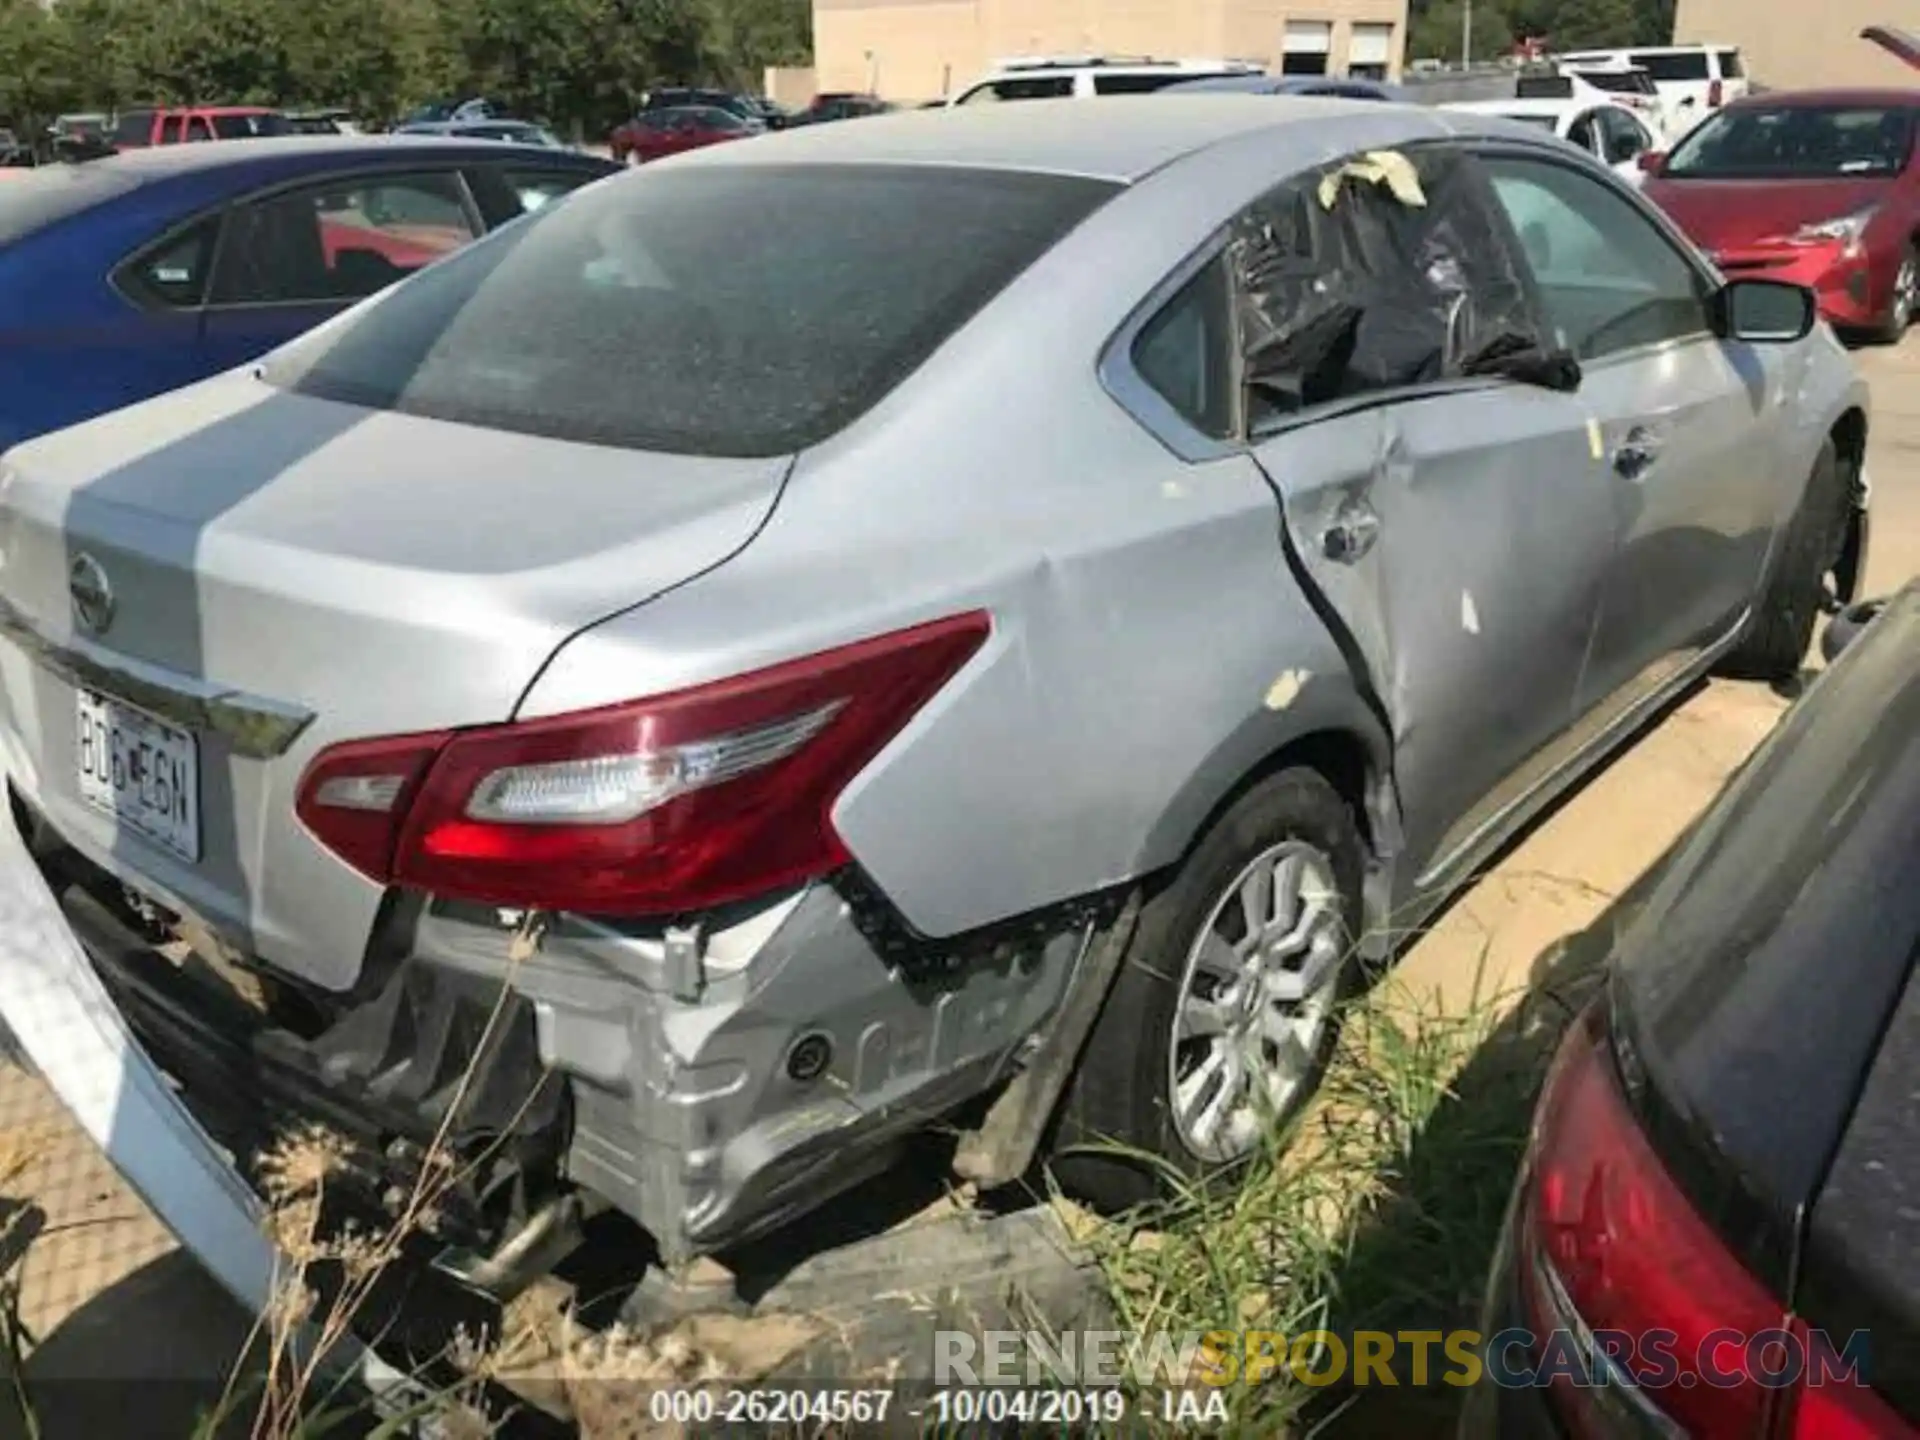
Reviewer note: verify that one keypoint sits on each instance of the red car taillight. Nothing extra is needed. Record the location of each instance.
(680, 802)
(1610, 1244)
(1715, 93)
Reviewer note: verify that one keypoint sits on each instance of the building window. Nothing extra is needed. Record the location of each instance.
(1370, 54)
(1306, 47)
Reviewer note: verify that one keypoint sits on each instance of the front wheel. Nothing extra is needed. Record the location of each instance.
(1226, 1007)
(1781, 629)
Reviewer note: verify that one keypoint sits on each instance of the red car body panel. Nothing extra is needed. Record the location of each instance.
(1748, 226)
(646, 138)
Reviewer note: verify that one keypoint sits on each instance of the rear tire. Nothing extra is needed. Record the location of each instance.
(1198, 991)
(1781, 630)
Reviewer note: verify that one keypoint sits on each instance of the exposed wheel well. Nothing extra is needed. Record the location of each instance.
(1850, 439)
(1850, 444)
(1341, 758)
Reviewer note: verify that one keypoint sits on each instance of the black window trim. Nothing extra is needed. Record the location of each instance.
(129, 289)
(1706, 282)
(1135, 394)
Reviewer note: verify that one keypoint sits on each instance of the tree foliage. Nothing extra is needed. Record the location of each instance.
(569, 62)
(1436, 27)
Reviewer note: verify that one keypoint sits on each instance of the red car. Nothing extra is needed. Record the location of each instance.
(1819, 187)
(175, 125)
(656, 134)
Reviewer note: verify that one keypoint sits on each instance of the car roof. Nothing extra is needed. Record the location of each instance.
(156, 162)
(1264, 84)
(1540, 106)
(1112, 138)
(1857, 95)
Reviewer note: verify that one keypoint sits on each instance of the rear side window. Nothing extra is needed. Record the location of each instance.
(1134, 84)
(1730, 66)
(1683, 66)
(341, 240)
(736, 310)
(173, 273)
(1037, 87)
(1185, 352)
(54, 192)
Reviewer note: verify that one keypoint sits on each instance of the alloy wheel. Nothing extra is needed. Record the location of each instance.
(1256, 998)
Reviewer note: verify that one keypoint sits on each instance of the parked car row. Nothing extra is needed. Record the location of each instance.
(696, 582)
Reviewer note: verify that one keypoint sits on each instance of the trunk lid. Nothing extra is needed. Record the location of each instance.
(377, 572)
(1901, 44)
(1731, 214)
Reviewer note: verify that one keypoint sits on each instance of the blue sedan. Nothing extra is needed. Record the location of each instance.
(136, 274)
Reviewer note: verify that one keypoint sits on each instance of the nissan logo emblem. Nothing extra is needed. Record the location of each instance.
(92, 594)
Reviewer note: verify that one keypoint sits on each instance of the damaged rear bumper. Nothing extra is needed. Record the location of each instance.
(711, 1081)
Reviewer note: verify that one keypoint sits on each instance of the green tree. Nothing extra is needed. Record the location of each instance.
(1439, 31)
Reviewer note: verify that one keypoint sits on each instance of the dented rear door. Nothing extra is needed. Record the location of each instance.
(1461, 541)
(1457, 530)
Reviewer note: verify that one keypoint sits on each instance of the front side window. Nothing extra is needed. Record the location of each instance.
(134, 127)
(1609, 279)
(1622, 137)
(341, 240)
(248, 127)
(737, 310)
(1583, 133)
(536, 188)
(1136, 84)
(1796, 142)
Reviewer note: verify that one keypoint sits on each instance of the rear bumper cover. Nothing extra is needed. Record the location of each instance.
(711, 1081)
(70, 1029)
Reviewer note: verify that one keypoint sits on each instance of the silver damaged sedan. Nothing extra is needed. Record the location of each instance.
(989, 617)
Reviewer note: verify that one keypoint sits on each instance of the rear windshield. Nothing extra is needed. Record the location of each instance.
(246, 127)
(54, 192)
(1788, 142)
(1543, 87)
(1685, 65)
(735, 310)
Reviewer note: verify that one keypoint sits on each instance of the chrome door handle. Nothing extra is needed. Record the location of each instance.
(1636, 454)
(1350, 536)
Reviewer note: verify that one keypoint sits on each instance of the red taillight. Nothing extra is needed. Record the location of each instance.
(1831, 1411)
(1611, 1238)
(1715, 93)
(675, 803)
(354, 796)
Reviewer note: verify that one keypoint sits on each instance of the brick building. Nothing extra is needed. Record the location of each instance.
(924, 49)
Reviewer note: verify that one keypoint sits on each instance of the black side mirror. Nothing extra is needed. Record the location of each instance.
(1764, 312)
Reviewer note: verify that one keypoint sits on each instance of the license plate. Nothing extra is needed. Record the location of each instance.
(141, 771)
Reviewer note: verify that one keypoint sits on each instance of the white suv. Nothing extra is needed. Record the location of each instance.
(1085, 76)
(1692, 79)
